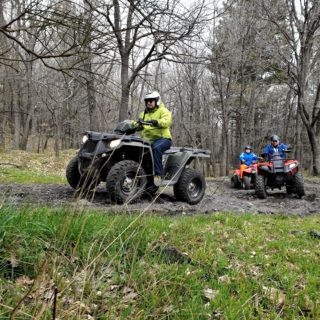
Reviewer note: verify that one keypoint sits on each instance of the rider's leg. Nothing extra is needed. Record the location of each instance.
(242, 168)
(159, 146)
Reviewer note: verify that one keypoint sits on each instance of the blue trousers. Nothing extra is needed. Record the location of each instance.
(159, 146)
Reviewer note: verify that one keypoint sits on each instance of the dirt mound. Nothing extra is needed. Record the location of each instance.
(219, 197)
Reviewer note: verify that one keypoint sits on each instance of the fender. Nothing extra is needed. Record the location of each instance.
(236, 172)
(264, 169)
(175, 159)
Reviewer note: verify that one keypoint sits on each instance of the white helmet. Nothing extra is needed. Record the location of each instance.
(153, 95)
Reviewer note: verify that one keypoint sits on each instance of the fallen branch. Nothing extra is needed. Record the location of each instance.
(9, 164)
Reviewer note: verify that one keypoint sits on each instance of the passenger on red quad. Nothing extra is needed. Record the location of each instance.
(157, 132)
(246, 158)
(275, 146)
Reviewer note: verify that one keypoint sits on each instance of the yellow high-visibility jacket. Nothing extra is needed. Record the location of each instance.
(164, 118)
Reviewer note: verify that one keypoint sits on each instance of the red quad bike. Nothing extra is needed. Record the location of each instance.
(248, 177)
(277, 173)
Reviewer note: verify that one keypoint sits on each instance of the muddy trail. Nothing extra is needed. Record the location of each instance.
(219, 197)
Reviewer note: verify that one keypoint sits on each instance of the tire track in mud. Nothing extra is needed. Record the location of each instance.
(219, 197)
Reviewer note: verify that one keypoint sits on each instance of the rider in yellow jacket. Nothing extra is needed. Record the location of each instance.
(157, 132)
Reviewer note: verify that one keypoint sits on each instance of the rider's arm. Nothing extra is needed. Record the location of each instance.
(138, 126)
(283, 148)
(165, 119)
(266, 152)
(266, 149)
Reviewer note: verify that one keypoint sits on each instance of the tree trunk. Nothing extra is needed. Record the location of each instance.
(31, 145)
(29, 106)
(311, 130)
(2, 130)
(224, 164)
(2, 70)
(298, 145)
(2, 121)
(315, 147)
(123, 112)
(93, 110)
(57, 140)
(125, 89)
(17, 119)
(26, 130)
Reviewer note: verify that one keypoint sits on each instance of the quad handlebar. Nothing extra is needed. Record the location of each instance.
(143, 122)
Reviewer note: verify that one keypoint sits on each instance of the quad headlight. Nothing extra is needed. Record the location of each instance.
(85, 138)
(114, 143)
(292, 165)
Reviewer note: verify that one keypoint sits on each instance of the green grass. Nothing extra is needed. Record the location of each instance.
(115, 267)
(25, 167)
(26, 176)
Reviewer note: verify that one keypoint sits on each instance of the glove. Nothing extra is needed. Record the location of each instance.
(153, 123)
(140, 120)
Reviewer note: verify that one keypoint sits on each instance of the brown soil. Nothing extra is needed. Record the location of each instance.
(219, 197)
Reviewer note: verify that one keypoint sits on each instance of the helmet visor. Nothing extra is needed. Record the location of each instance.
(150, 100)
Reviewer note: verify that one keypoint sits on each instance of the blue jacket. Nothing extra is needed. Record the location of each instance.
(269, 150)
(248, 157)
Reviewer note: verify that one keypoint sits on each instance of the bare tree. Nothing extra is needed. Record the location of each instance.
(148, 31)
(300, 60)
(3, 48)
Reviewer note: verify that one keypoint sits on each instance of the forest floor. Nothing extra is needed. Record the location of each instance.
(219, 197)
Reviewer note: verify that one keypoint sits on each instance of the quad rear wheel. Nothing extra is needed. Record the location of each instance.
(126, 181)
(190, 187)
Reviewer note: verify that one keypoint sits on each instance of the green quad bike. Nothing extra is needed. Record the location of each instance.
(125, 163)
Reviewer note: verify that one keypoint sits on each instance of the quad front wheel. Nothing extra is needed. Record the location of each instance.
(298, 184)
(260, 187)
(72, 173)
(81, 182)
(235, 182)
(290, 189)
(190, 187)
(126, 181)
